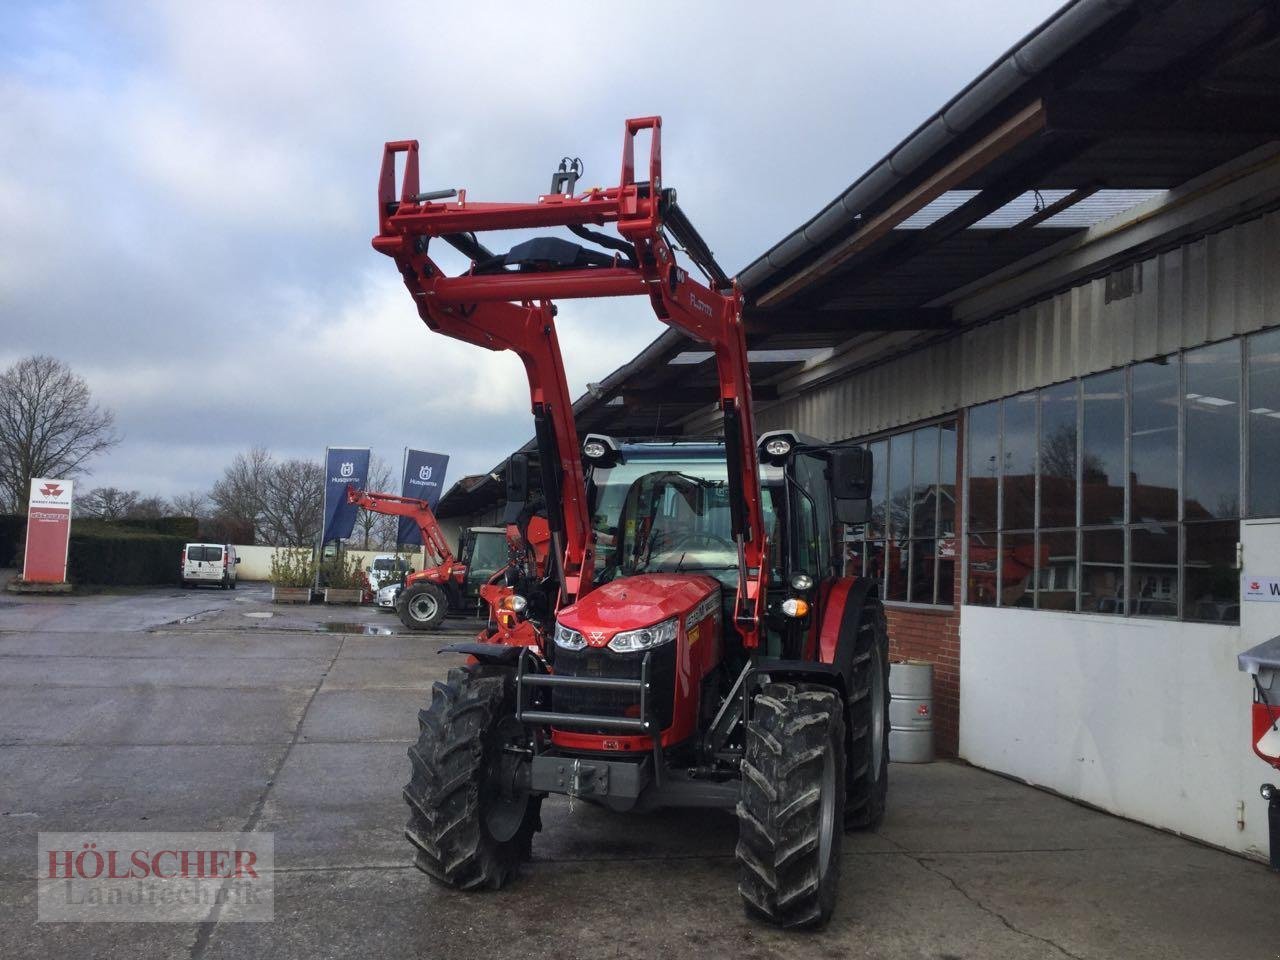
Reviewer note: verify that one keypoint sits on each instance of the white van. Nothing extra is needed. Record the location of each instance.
(209, 563)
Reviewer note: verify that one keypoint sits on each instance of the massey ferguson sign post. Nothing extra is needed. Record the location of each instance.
(423, 480)
(48, 531)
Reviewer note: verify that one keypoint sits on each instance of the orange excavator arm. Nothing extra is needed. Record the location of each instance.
(433, 538)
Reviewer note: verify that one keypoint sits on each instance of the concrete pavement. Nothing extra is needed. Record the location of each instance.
(171, 710)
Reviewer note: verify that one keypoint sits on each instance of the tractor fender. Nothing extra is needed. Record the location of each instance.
(496, 653)
(841, 618)
(803, 671)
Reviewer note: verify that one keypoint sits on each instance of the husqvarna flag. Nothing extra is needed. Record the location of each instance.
(48, 531)
(343, 466)
(423, 480)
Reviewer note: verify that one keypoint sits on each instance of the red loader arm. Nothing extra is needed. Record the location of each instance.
(477, 307)
(433, 538)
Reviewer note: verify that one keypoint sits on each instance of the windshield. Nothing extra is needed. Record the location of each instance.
(489, 553)
(665, 515)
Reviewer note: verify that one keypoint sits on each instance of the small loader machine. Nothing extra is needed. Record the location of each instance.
(703, 647)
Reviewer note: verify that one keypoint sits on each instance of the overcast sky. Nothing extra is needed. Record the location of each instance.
(187, 190)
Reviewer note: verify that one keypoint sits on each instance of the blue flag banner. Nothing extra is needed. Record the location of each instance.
(342, 466)
(423, 480)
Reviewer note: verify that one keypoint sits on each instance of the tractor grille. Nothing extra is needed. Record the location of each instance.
(598, 662)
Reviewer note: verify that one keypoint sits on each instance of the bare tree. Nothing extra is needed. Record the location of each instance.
(292, 503)
(49, 426)
(108, 503)
(240, 494)
(372, 527)
(193, 504)
(150, 508)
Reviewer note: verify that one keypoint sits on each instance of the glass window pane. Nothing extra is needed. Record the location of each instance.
(898, 557)
(1056, 570)
(1211, 582)
(1017, 566)
(1153, 441)
(1102, 571)
(923, 558)
(947, 561)
(1102, 469)
(983, 439)
(1059, 432)
(982, 570)
(899, 485)
(879, 486)
(1211, 464)
(854, 559)
(947, 480)
(1153, 570)
(1264, 425)
(1019, 483)
(924, 482)
(875, 562)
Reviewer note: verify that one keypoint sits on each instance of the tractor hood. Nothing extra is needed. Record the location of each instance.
(637, 601)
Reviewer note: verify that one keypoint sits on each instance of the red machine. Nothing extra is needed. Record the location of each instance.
(1262, 663)
(706, 649)
(430, 593)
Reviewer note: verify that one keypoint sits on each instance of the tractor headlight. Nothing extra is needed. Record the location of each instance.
(802, 582)
(569, 639)
(515, 603)
(646, 638)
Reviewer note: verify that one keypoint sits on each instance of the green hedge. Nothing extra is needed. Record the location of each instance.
(186, 527)
(13, 528)
(112, 554)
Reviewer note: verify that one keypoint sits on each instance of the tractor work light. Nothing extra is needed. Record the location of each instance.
(515, 603)
(594, 450)
(569, 639)
(778, 447)
(600, 451)
(801, 583)
(633, 641)
(795, 607)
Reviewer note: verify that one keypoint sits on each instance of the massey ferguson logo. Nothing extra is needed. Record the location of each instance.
(347, 469)
(51, 490)
(597, 635)
(424, 474)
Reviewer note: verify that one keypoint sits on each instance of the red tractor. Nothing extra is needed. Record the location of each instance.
(706, 650)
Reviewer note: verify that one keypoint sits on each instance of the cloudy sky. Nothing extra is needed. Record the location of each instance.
(187, 189)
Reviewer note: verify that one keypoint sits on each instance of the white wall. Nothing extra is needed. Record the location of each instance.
(1145, 718)
(255, 561)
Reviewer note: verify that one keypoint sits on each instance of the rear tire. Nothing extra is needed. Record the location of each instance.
(868, 764)
(791, 807)
(468, 833)
(422, 606)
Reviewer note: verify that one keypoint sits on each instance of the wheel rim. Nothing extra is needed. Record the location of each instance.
(505, 797)
(877, 713)
(423, 607)
(826, 810)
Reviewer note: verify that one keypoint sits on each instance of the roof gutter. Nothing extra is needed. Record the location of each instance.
(1027, 59)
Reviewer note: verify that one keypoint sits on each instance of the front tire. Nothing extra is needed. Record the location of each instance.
(791, 807)
(469, 821)
(422, 606)
(868, 764)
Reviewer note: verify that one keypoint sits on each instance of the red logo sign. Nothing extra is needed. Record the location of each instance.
(1255, 585)
(51, 490)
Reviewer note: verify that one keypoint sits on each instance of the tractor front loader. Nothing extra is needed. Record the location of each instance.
(702, 647)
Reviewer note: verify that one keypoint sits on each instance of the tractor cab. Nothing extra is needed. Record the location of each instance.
(484, 551)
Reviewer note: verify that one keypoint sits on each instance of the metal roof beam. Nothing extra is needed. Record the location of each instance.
(845, 322)
(1024, 124)
(1158, 116)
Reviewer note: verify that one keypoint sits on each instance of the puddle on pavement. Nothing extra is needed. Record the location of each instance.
(361, 629)
(260, 614)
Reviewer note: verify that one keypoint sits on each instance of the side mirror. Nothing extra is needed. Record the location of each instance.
(851, 473)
